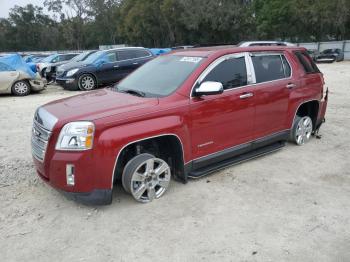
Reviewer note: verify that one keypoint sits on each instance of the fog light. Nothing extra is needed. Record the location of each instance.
(70, 175)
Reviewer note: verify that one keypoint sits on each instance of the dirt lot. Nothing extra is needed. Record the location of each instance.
(292, 205)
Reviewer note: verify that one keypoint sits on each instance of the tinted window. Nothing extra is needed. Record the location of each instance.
(111, 57)
(125, 55)
(268, 67)
(306, 62)
(69, 57)
(231, 73)
(140, 53)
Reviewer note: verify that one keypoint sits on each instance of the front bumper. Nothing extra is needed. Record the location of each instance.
(95, 197)
(87, 188)
(67, 83)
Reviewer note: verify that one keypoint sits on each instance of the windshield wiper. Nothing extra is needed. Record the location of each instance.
(132, 92)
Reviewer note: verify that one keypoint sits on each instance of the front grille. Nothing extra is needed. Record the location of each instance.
(40, 139)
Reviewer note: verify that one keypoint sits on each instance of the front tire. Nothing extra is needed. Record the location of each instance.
(302, 130)
(87, 82)
(21, 88)
(146, 177)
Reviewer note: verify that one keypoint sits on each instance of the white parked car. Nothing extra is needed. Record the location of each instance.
(18, 82)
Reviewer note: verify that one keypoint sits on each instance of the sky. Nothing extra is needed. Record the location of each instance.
(6, 5)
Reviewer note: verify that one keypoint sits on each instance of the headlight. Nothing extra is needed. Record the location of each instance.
(72, 72)
(76, 136)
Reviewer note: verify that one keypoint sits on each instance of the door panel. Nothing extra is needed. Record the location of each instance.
(226, 120)
(221, 121)
(272, 90)
(271, 107)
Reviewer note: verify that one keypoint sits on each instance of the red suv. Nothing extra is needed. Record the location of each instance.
(182, 115)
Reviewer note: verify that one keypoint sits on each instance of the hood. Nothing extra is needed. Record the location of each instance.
(97, 104)
(72, 65)
(59, 63)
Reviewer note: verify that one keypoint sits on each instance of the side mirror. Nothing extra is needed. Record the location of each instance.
(209, 88)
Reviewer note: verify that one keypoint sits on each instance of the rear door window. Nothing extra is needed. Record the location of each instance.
(111, 57)
(139, 53)
(306, 62)
(269, 67)
(125, 55)
(231, 73)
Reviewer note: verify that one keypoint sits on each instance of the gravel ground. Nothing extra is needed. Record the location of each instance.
(292, 205)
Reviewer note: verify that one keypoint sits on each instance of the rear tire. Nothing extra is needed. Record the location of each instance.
(87, 82)
(21, 88)
(302, 130)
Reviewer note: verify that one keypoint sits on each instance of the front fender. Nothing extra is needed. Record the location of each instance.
(111, 141)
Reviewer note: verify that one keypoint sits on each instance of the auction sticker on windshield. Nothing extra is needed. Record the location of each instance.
(191, 59)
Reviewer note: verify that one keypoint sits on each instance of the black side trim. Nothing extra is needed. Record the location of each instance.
(236, 160)
(280, 136)
(221, 156)
(95, 197)
(234, 155)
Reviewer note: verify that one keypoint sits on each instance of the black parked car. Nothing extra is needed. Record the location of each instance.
(103, 67)
(50, 72)
(313, 53)
(330, 55)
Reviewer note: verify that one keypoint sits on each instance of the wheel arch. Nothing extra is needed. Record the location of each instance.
(172, 147)
(308, 108)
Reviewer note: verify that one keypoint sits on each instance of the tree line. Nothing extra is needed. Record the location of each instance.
(86, 24)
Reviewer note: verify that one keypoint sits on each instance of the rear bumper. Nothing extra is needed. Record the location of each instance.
(38, 85)
(325, 59)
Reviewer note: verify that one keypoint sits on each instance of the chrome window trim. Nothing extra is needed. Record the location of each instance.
(143, 139)
(250, 75)
(270, 53)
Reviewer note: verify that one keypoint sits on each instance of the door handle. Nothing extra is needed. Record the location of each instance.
(245, 96)
(116, 66)
(135, 63)
(291, 85)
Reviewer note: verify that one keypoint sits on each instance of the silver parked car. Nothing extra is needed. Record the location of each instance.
(18, 82)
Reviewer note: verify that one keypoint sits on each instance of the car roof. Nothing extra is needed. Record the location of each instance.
(222, 50)
(249, 43)
(124, 48)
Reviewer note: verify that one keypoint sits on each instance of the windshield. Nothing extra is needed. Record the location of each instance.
(49, 58)
(161, 76)
(94, 57)
(81, 57)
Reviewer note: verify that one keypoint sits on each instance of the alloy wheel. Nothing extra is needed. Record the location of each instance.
(303, 130)
(21, 88)
(150, 180)
(87, 82)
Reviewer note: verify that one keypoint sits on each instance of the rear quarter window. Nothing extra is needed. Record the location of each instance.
(141, 53)
(306, 62)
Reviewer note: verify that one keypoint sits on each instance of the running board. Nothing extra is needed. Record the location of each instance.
(236, 160)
